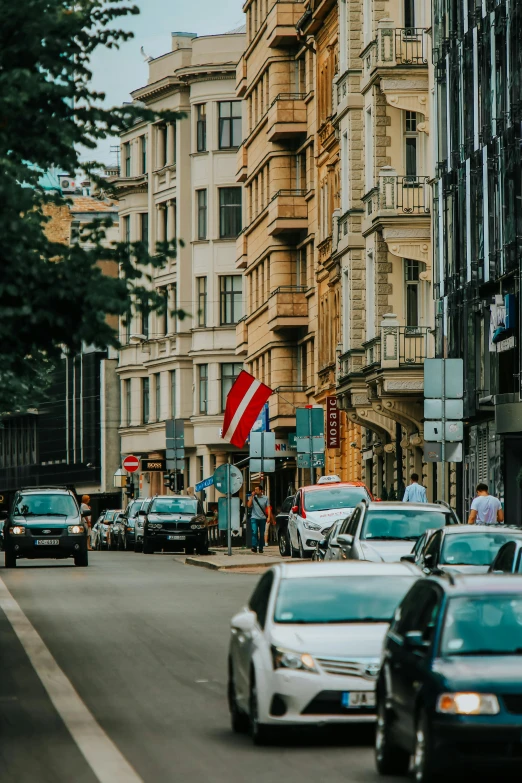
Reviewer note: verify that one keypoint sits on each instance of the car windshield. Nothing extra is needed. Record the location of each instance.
(483, 625)
(46, 506)
(173, 506)
(334, 497)
(473, 548)
(134, 508)
(340, 599)
(400, 524)
(109, 515)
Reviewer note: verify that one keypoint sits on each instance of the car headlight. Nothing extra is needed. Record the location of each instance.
(75, 529)
(468, 704)
(311, 525)
(197, 527)
(18, 530)
(287, 659)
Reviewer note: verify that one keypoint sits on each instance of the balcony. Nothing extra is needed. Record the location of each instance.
(401, 195)
(287, 212)
(281, 23)
(282, 405)
(241, 77)
(287, 117)
(398, 346)
(403, 47)
(288, 308)
(351, 363)
(242, 163)
(241, 250)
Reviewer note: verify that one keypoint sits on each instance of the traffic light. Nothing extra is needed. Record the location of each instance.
(174, 481)
(129, 491)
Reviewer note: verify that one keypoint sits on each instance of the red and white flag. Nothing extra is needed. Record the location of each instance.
(244, 403)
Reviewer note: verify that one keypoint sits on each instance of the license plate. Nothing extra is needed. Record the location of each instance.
(176, 538)
(355, 699)
(47, 542)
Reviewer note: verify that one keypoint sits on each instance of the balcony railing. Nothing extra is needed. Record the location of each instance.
(372, 352)
(288, 308)
(287, 116)
(287, 211)
(351, 362)
(411, 46)
(397, 46)
(398, 346)
(406, 194)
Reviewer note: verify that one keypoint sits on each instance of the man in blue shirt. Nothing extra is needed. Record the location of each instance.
(415, 493)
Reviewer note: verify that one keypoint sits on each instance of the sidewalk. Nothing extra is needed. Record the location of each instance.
(218, 559)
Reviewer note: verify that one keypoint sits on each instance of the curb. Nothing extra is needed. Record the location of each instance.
(216, 567)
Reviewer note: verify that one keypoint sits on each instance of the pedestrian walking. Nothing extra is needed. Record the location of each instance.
(261, 512)
(415, 492)
(85, 511)
(486, 509)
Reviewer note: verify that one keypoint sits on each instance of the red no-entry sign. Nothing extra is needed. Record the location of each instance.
(131, 464)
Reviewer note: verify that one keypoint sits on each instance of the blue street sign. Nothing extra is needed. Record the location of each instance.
(204, 484)
(261, 424)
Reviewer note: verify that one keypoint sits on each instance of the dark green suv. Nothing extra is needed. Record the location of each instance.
(45, 522)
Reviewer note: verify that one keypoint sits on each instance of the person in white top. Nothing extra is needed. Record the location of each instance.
(485, 508)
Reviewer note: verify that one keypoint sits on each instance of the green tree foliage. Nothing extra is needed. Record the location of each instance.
(54, 296)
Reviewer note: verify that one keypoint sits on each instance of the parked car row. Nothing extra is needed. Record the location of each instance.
(161, 523)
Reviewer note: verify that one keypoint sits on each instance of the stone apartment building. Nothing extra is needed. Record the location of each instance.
(178, 181)
(382, 96)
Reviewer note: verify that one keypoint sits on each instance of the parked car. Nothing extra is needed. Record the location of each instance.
(103, 527)
(118, 531)
(96, 532)
(138, 524)
(388, 531)
(306, 649)
(175, 523)
(449, 694)
(45, 522)
(316, 508)
(130, 523)
(508, 559)
(282, 526)
(327, 548)
(465, 548)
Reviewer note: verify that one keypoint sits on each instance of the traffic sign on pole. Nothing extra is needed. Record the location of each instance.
(228, 479)
(131, 464)
(208, 482)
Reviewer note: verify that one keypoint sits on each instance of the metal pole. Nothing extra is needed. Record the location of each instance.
(312, 469)
(443, 422)
(229, 508)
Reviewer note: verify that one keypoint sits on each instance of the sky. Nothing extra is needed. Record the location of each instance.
(118, 72)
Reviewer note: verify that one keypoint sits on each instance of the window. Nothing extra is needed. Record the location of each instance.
(127, 159)
(145, 400)
(229, 212)
(229, 373)
(144, 227)
(144, 154)
(201, 283)
(126, 230)
(368, 149)
(157, 389)
(201, 129)
(202, 214)
(231, 295)
(411, 142)
(203, 387)
(201, 469)
(128, 402)
(412, 279)
(409, 14)
(229, 124)
(163, 315)
(173, 394)
(259, 601)
(145, 320)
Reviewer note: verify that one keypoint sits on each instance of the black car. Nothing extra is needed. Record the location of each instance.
(463, 548)
(449, 693)
(175, 523)
(282, 527)
(45, 522)
(508, 559)
(130, 514)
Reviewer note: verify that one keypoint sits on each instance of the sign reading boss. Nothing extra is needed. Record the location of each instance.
(149, 465)
(333, 424)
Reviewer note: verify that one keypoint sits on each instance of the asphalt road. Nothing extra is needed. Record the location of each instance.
(143, 639)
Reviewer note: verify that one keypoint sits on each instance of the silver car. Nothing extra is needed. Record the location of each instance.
(385, 532)
(138, 526)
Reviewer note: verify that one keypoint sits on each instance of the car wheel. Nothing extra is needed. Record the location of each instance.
(302, 554)
(189, 550)
(282, 540)
(259, 732)
(425, 768)
(148, 549)
(138, 547)
(203, 549)
(238, 719)
(10, 560)
(389, 758)
(81, 559)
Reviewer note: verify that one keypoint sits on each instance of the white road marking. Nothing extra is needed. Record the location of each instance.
(100, 752)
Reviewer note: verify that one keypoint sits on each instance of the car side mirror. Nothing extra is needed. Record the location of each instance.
(244, 621)
(428, 558)
(414, 640)
(322, 544)
(345, 539)
(294, 509)
(141, 512)
(408, 559)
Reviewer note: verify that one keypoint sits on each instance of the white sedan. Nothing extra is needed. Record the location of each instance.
(306, 649)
